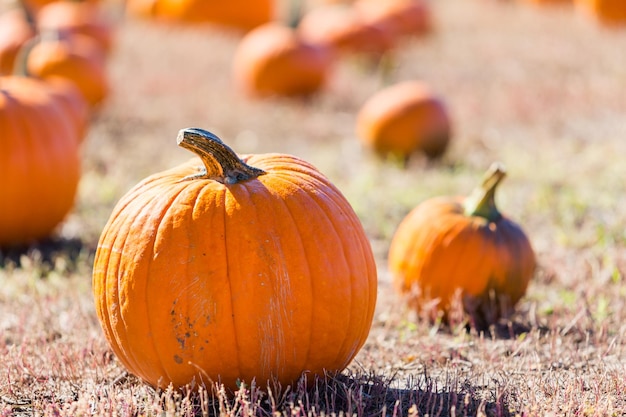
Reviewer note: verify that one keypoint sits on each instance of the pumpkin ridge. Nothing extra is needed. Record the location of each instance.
(321, 192)
(148, 249)
(103, 305)
(451, 233)
(225, 193)
(44, 167)
(331, 200)
(513, 233)
(170, 206)
(306, 255)
(131, 223)
(12, 117)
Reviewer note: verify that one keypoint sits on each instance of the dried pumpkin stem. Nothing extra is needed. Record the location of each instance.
(221, 163)
(482, 200)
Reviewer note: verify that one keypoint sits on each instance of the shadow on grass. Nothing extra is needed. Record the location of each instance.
(358, 395)
(61, 254)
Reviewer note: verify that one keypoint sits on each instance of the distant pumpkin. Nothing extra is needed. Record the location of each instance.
(403, 119)
(72, 17)
(608, 12)
(39, 162)
(228, 268)
(450, 245)
(341, 28)
(74, 57)
(239, 14)
(273, 60)
(402, 17)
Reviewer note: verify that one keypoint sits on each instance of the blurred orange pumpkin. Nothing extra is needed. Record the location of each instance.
(405, 118)
(240, 14)
(71, 17)
(608, 12)
(228, 269)
(40, 160)
(77, 58)
(402, 17)
(35, 5)
(273, 60)
(447, 245)
(340, 27)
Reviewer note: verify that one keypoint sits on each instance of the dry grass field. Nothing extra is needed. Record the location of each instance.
(543, 90)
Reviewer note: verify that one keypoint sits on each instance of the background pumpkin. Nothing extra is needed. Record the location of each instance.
(240, 14)
(449, 244)
(234, 272)
(341, 28)
(608, 12)
(273, 60)
(72, 17)
(402, 17)
(39, 159)
(405, 118)
(76, 58)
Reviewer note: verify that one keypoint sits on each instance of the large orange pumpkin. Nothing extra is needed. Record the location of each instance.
(240, 14)
(231, 268)
(39, 159)
(405, 118)
(273, 60)
(450, 244)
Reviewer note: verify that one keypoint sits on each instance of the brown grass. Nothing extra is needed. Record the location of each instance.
(540, 89)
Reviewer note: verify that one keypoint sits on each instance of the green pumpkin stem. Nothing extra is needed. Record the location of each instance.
(221, 163)
(481, 202)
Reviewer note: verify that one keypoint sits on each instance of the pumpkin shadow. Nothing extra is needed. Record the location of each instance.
(47, 255)
(359, 395)
(414, 395)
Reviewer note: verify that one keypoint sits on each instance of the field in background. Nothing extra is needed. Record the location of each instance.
(542, 90)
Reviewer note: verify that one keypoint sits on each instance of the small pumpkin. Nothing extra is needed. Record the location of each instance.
(39, 162)
(447, 245)
(405, 118)
(228, 268)
(341, 28)
(77, 58)
(273, 60)
(240, 14)
(608, 12)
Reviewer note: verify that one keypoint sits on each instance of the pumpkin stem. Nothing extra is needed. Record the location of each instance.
(295, 12)
(481, 202)
(20, 66)
(221, 163)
